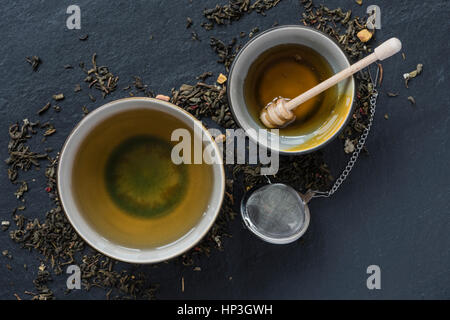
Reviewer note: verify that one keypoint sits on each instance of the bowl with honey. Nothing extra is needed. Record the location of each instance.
(285, 62)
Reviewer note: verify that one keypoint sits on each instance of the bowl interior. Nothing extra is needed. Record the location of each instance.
(320, 43)
(91, 209)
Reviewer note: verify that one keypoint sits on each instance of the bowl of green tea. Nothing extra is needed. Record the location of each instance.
(285, 62)
(130, 185)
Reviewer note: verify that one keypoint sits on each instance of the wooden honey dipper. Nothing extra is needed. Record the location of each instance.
(279, 113)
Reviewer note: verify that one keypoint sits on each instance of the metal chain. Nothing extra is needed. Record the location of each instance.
(355, 155)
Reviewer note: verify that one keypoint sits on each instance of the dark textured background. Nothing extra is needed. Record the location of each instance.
(393, 211)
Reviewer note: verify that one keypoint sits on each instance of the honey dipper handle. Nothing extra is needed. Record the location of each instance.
(384, 51)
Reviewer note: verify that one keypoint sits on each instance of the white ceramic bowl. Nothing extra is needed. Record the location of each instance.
(325, 46)
(87, 232)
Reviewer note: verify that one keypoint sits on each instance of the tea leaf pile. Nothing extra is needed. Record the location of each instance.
(235, 10)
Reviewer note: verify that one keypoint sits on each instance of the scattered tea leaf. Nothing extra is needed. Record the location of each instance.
(204, 76)
(225, 52)
(412, 100)
(188, 22)
(100, 78)
(195, 36)
(34, 61)
(235, 10)
(44, 108)
(380, 74)
(20, 156)
(413, 74)
(141, 87)
(49, 132)
(21, 190)
(85, 110)
(254, 31)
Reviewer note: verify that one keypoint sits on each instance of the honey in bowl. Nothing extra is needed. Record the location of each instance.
(127, 187)
(287, 71)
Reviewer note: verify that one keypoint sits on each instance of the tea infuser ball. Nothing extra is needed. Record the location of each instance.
(276, 213)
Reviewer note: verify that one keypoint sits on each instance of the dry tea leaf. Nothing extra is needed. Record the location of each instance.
(85, 110)
(22, 189)
(189, 22)
(254, 31)
(412, 100)
(195, 36)
(204, 76)
(413, 74)
(20, 156)
(235, 10)
(49, 132)
(391, 94)
(35, 61)
(141, 87)
(44, 108)
(100, 78)
(226, 52)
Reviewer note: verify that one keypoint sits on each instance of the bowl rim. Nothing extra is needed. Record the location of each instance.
(351, 109)
(136, 259)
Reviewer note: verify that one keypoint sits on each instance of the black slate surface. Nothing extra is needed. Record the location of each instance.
(393, 211)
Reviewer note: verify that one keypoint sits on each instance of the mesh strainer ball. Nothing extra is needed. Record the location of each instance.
(276, 213)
